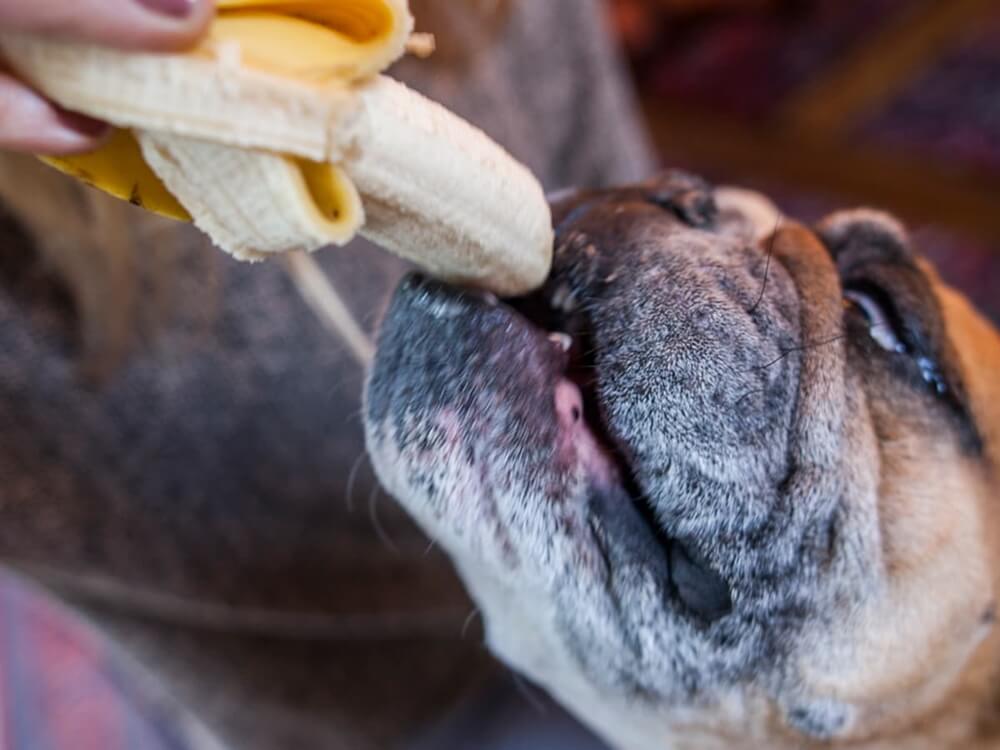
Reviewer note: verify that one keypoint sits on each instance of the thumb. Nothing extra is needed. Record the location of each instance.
(128, 24)
(30, 123)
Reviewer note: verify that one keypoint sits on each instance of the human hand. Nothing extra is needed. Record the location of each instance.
(28, 121)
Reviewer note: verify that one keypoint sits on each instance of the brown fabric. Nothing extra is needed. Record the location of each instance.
(307, 693)
(216, 483)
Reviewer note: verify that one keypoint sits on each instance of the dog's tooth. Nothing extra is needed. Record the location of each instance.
(558, 295)
(562, 340)
(563, 299)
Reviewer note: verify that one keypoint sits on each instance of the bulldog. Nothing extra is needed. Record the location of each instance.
(714, 487)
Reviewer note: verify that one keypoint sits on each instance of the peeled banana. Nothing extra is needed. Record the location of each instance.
(276, 133)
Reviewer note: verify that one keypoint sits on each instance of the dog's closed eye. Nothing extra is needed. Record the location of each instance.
(700, 588)
(885, 289)
(889, 329)
(883, 323)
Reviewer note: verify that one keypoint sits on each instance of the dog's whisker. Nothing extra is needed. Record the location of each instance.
(808, 346)
(467, 623)
(767, 266)
(784, 353)
(528, 693)
(351, 480)
(380, 531)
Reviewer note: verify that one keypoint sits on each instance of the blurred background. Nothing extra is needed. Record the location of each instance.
(825, 104)
(822, 104)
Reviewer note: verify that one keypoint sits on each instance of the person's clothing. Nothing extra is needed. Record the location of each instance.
(210, 505)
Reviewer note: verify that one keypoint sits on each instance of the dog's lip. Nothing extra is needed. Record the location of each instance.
(604, 457)
(550, 365)
(582, 440)
(591, 440)
(562, 353)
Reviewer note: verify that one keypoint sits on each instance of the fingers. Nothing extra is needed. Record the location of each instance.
(128, 24)
(29, 122)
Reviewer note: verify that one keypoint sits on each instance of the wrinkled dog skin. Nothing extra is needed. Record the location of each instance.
(748, 501)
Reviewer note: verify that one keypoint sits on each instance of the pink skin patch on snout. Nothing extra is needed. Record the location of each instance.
(577, 444)
(569, 404)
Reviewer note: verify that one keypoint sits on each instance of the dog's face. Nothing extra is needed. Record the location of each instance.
(746, 502)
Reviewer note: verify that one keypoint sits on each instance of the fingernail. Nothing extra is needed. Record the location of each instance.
(173, 8)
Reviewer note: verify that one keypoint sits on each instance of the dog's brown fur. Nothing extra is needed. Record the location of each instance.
(939, 527)
(941, 523)
(893, 644)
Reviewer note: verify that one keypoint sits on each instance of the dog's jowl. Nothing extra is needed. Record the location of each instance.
(726, 481)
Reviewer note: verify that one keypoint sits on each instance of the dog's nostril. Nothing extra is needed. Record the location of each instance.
(688, 197)
(693, 207)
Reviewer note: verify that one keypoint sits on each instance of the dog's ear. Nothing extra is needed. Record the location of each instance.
(865, 229)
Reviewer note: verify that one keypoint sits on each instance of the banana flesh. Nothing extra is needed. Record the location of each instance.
(251, 200)
(276, 134)
(470, 197)
(373, 33)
